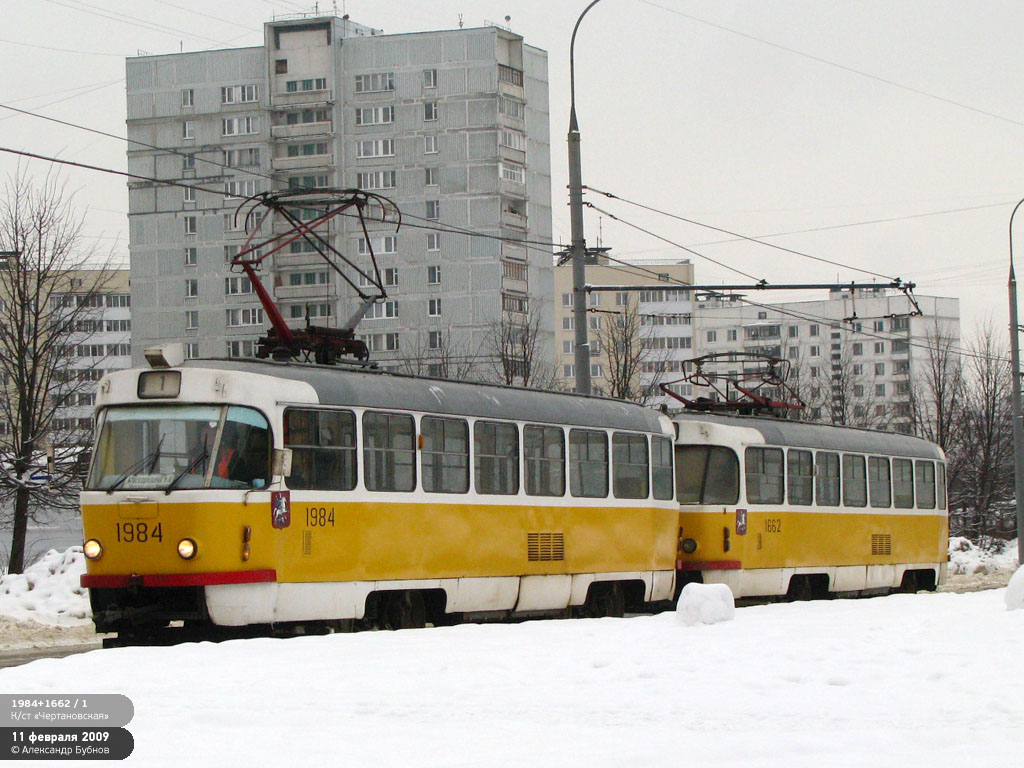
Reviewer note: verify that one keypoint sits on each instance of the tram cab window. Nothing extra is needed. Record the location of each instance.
(630, 472)
(389, 453)
(661, 467)
(903, 483)
(763, 469)
(588, 463)
(800, 475)
(323, 445)
(544, 460)
(707, 474)
(172, 447)
(924, 484)
(827, 479)
(942, 486)
(496, 458)
(445, 455)
(855, 492)
(878, 482)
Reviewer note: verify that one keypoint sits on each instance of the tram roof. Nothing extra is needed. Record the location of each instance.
(800, 434)
(368, 388)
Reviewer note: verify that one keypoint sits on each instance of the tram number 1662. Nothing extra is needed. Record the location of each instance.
(319, 517)
(138, 533)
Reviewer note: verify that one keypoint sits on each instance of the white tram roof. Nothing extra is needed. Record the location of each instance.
(801, 434)
(371, 388)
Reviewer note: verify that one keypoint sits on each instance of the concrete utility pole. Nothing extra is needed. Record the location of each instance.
(1018, 426)
(579, 244)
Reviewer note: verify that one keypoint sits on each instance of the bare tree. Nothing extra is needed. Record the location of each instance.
(636, 357)
(49, 293)
(439, 353)
(516, 349)
(982, 475)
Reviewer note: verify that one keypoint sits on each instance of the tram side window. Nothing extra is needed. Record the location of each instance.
(707, 474)
(924, 476)
(800, 474)
(445, 455)
(855, 492)
(661, 467)
(630, 472)
(544, 457)
(828, 479)
(764, 475)
(588, 463)
(942, 486)
(903, 483)
(496, 453)
(389, 453)
(878, 481)
(323, 445)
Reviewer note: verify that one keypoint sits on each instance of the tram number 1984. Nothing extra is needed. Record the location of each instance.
(139, 533)
(319, 517)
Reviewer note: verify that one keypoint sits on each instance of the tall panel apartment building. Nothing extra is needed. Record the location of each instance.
(855, 356)
(451, 125)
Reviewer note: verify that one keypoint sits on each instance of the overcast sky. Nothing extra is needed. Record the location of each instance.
(883, 136)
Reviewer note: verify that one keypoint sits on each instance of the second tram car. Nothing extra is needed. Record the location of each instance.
(408, 500)
(774, 507)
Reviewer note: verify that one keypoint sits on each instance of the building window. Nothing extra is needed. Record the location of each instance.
(376, 180)
(306, 116)
(116, 300)
(513, 140)
(434, 307)
(242, 316)
(433, 275)
(240, 126)
(879, 347)
(879, 369)
(241, 348)
(281, 67)
(191, 351)
(188, 97)
(814, 330)
(815, 351)
(307, 150)
(191, 289)
(511, 107)
(191, 225)
(309, 84)
(188, 129)
(191, 319)
(511, 302)
(430, 110)
(375, 148)
(712, 336)
(433, 209)
(731, 334)
(430, 145)
(237, 285)
(433, 241)
(188, 162)
(246, 188)
(513, 172)
(375, 115)
(316, 181)
(430, 78)
(386, 244)
(430, 176)
(191, 257)
(435, 339)
(380, 81)
(858, 349)
(234, 158)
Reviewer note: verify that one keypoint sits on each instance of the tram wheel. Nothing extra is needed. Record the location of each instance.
(403, 610)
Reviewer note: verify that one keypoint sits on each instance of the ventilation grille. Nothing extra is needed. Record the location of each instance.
(541, 547)
(307, 543)
(881, 543)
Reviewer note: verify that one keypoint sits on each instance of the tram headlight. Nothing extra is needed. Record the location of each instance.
(689, 546)
(187, 549)
(92, 549)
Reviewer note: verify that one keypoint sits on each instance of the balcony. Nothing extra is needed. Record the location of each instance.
(301, 98)
(298, 130)
(303, 162)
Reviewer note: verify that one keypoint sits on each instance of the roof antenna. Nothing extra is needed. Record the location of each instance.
(460, 21)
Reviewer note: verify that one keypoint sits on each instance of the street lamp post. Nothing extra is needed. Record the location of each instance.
(578, 250)
(1018, 426)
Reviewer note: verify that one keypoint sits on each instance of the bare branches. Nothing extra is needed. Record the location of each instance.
(517, 351)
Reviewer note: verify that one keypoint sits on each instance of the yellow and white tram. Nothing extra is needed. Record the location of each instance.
(773, 507)
(407, 500)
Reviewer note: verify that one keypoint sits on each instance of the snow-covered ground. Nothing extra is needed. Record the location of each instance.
(906, 680)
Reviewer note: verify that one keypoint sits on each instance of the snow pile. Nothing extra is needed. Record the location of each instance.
(966, 557)
(49, 591)
(1015, 591)
(705, 604)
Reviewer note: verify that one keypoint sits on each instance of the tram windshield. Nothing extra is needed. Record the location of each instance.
(169, 447)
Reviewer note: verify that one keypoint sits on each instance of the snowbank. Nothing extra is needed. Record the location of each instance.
(49, 591)
(705, 604)
(1015, 591)
(966, 557)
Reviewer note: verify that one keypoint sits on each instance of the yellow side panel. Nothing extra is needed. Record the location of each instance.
(793, 539)
(376, 541)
